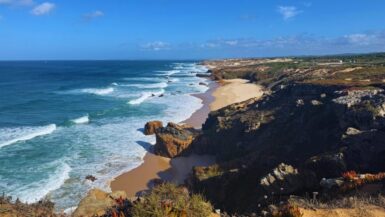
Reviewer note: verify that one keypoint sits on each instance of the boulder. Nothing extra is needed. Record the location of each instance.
(91, 178)
(173, 140)
(327, 165)
(151, 127)
(284, 179)
(97, 202)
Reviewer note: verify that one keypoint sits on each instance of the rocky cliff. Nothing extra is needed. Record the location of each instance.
(317, 122)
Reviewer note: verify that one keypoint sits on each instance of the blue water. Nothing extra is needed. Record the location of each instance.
(63, 120)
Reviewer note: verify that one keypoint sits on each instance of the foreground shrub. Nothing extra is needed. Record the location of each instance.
(288, 211)
(167, 200)
(43, 208)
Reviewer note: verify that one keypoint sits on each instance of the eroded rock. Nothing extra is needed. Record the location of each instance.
(173, 140)
(97, 202)
(151, 127)
(283, 179)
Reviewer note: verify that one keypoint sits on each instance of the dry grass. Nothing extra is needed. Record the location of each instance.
(346, 202)
(167, 200)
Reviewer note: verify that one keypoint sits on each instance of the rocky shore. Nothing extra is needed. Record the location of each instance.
(308, 141)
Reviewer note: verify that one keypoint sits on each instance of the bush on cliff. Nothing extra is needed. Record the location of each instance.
(172, 201)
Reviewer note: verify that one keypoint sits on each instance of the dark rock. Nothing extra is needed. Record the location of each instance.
(203, 75)
(173, 140)
(284, 179)
(327, 165)
(151, 127)
(309, 127)
(91, 178)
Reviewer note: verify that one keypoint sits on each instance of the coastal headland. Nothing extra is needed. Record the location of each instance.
(299, 136)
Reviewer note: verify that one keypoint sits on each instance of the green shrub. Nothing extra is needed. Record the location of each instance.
(167, 200)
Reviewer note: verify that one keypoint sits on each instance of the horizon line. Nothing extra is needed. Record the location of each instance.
(201, 59)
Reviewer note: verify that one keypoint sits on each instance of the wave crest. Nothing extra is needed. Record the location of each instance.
(98, 91)
(81, 120)
(13, 135)
(144, 97)
(36, 191)
(146, 86)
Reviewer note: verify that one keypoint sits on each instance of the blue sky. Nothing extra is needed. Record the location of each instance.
(185, 29)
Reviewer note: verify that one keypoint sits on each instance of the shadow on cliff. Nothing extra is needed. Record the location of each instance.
(291, 126)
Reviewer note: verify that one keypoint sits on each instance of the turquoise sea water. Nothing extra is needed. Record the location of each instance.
(63, 120)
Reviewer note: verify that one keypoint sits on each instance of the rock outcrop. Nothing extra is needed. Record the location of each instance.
(333, 129)
(283, 179)
(174, 140)
(97, 202)
(151, 127)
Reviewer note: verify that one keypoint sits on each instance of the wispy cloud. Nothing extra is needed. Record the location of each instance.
(307, 4)
(362, 38)
(248, 17)
(93, 15)
(156, 46)
(303, 44)
(5, 2)
(221, 43)
(17, 2)
(43, 9)
(288, 12)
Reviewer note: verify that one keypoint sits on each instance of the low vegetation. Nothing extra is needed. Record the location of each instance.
(167, 200)
(288, 211)
(13, 208)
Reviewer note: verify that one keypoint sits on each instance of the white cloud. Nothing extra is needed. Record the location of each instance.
(156, 46)
(231, 42)
(17, 2)
(5, 2)
(301, 44)
(288, 12)
(360, 39)
(94, 14)
(43, 9)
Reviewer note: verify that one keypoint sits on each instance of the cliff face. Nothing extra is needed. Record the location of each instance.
(311, 126)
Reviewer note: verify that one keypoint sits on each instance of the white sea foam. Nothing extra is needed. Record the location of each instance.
(98, 91)
(9, 136)
(173, 79)
(109, 145)
(143, 79)
(36, 191)
(168, 72)
(81, 120)
(70, 210)
(144, 97)
(146, 86)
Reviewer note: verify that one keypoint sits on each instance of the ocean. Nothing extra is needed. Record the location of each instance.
(63, 120)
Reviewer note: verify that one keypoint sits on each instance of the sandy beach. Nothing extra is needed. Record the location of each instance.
(233, 91)
(176, 170)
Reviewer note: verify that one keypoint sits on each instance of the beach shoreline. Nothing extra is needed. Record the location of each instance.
(176, 170)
